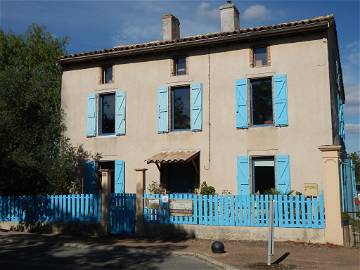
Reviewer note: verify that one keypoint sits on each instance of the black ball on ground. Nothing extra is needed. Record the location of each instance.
(217, 247)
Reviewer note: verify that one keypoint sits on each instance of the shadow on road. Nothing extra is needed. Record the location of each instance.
(31, 251)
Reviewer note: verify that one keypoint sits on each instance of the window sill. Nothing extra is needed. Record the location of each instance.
(179, 79)
(112, 135)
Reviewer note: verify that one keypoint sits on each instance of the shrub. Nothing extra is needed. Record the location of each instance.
(206, 190)
(155, 188)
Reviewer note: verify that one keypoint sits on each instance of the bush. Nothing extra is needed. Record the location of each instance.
(206, 190)
(155, 188)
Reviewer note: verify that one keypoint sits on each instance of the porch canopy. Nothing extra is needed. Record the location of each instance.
(173, 157)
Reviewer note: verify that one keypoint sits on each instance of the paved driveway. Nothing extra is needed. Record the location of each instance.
(30, 251)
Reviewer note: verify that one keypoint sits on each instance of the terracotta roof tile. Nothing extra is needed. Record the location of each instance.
(218, 35)
(172, 157)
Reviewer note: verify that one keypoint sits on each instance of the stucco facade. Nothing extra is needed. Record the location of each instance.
(303, 58)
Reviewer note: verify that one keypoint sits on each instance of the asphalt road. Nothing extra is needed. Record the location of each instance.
(29, 251)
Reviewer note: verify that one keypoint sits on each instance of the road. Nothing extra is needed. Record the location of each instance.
(31, 251)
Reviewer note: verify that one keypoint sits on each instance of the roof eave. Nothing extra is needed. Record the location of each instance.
(318, 26)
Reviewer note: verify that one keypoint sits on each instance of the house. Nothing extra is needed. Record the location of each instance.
(243, 109)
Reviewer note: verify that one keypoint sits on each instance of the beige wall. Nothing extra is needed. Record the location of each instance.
(304, 61)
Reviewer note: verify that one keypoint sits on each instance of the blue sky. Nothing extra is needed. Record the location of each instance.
(92, 25)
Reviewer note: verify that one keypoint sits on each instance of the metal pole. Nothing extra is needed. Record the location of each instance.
(271, 233)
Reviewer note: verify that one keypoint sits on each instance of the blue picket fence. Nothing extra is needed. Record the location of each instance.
(241, 210)
(50, 208)
(70, 208)
(123, 213)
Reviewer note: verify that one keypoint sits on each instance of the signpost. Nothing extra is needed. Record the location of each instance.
(271, 233)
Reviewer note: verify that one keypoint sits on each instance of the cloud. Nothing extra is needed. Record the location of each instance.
(204, 10)
(257, 13)
(353, 56)
(352, 128)
(131, 33)
(352, 104)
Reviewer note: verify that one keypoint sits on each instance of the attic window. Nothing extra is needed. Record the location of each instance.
(260, 56)
(107, 75)
(179, 65)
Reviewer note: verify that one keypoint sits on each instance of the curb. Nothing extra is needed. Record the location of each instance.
(207, 259)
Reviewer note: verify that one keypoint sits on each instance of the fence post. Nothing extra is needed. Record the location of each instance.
(333, 229)
(105, 200)
(140, 188)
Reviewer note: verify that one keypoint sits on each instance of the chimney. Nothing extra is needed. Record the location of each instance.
(229, 16)
(170, 27)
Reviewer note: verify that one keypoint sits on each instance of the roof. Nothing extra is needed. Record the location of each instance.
(321, 22)
(173, 157)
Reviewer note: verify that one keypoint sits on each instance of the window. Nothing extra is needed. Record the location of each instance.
(109, 165)
(263, 174)
(261, 101)
(180, 108)
(107, 76)
(179, 66)
(107, 114)
(260, 56)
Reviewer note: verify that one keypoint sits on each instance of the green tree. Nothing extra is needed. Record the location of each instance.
(356, 161)
(35, 157)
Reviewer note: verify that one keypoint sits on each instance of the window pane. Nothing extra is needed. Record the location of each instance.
(107, 103)
(264, 174)
(181, 108)
(180, 64)
(107, 75)
(260, 56)
(262, 111)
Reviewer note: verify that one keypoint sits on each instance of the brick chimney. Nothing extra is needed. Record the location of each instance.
(170, 27)
(229, 16)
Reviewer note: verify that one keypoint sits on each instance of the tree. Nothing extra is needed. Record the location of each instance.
(356, 161)
(35, 157)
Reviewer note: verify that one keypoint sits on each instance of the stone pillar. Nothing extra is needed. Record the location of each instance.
(331, 180)
(105, 200)
(140, 189)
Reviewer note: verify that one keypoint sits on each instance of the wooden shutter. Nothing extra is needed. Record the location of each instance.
(243, 175)
(163, 109)
(280, 100)
(119, 176)
(241, 103)
(90, 177)
(283, 182)
(120, 114)
(196, 106)
(91, 115)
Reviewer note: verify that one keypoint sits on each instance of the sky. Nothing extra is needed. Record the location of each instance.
(92, 25)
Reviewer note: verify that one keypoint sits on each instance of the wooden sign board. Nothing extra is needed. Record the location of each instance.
(181, 207)
(152, 203)
(311, 189)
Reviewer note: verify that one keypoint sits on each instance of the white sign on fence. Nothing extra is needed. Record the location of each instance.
(152, 203)
(180, 207)
(165, 198)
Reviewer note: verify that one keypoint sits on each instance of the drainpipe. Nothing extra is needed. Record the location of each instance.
(209, 113)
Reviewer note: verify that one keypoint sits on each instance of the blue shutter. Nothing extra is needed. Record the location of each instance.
(90, 177)
(196, 106)
(283, 182)
(120, 114)
(91, 115)
(243, 175)
(163, 110)
(280, 100)
(241, 103)
(119, 176)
